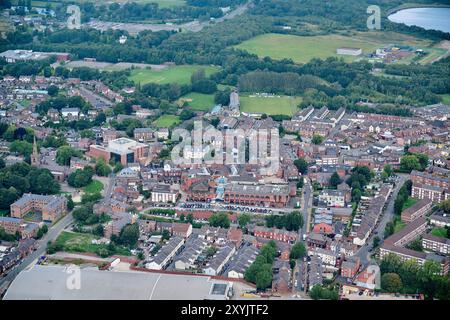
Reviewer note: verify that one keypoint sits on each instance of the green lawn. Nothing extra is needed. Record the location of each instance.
(94, 187)
(199, 101)
(410, 202)
(445, 98)
(175, 74)
(161, 3)
(302, 49)
(82, 242)
(399, 224)
(277, 105)
(439, 232)
(167, 120)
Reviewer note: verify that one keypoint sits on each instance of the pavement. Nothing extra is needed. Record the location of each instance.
(51, 235)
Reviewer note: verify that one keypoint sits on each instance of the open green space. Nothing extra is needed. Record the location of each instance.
(399, 224)
(82, 242)
(445, 98)
(175, 74)
(439, 232)
(270, 105)
(302, 49)
(409, 202)
(198, 101)
(94, 187)
(166, 121)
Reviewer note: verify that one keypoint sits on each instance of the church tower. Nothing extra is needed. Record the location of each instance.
(35, 159)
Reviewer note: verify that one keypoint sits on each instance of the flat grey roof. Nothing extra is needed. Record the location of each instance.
(49, 283)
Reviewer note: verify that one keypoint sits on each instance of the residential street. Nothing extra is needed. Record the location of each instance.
(52, 234)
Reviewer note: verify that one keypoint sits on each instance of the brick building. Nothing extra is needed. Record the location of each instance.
(51, 207)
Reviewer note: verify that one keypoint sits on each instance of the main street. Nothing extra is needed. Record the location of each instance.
(388, 215)
(51, 235)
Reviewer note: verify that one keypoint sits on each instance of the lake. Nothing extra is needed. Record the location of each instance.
(427, 18)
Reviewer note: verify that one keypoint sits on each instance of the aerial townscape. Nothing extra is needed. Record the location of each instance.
(224, 150)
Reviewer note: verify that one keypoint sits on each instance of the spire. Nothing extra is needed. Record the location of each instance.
(35, 156)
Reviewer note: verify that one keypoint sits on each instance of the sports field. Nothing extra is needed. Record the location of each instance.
(175, 74)
(302, 49)
(198, 101)
(270, 105)
(166, 121)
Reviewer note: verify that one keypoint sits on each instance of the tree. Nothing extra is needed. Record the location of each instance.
(376, 241)
(244, 219)
(42, 231)
(335, 180)
(64, 154)
(102, 168)
(129, 235)
(165, 235)
(301, 165)
(391, 282)
(388, 170)
(52, 90)
(221, 219)
(445, 205)
(80, 177)
(409, 163)
(298, 251)
(317, 139)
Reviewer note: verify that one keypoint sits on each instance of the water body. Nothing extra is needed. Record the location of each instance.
(427, 18)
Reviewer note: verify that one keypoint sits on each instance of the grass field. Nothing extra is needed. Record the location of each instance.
(276, 105)
(82, 242)
(198, 101)
(410, 202)
(445, 98)
(439, 232)
(176, 74)
(166, 121)
(93, 187)
(302, 49)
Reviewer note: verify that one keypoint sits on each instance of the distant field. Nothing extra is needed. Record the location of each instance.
(302, 49)
(176, 74)
(199, 101)
(445, 98)
(276, 105)
(166, 121)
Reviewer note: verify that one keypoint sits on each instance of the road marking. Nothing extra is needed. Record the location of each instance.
(154, 287)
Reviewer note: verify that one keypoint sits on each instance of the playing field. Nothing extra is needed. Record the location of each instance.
(166, 121)
(198, 101)
(270, 105)
(302, 49)
(176, 74)
(445, 98)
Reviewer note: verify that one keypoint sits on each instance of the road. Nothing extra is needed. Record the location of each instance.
(388, 215)
(306, 208)
(51, 235)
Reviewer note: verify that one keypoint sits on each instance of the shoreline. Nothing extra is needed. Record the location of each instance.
(414, 6)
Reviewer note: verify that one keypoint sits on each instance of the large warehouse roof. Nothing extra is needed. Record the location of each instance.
(50, 283)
